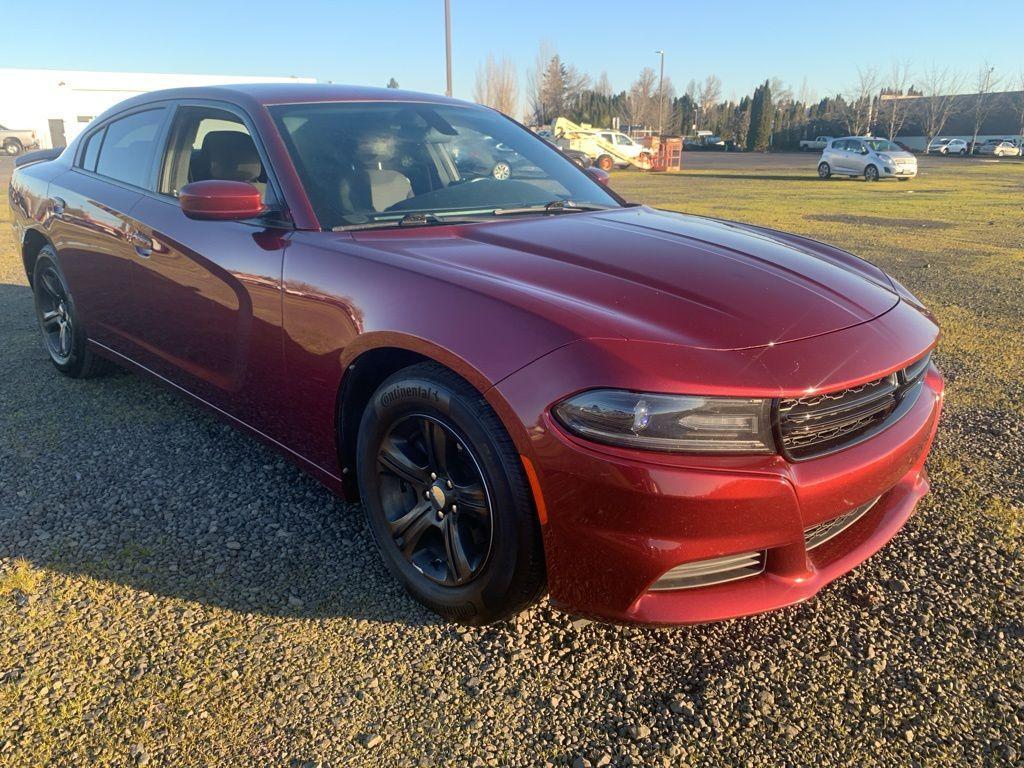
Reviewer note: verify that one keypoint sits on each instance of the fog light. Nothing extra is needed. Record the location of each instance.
(704, 573)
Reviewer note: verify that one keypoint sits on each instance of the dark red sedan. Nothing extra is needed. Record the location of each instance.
(530, 383)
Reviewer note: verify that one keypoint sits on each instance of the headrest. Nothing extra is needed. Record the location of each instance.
(231, 155)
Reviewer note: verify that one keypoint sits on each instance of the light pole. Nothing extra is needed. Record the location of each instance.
(448, 46)
(661, 95)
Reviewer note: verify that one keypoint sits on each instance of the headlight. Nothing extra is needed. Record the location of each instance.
(679, 423)
(885, 158)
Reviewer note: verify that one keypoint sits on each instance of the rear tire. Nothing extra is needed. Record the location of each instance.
(64, 335)
(963, 153)
(447, 499)
(12, 147)
(824, 170)
(605, 162)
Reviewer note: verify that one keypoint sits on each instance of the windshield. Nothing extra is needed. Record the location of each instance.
(366, 162)
(882, 145)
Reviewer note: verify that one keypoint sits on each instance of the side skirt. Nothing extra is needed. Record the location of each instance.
(329, 479)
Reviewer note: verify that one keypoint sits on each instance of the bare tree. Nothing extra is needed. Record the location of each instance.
(642, 100)
(710, 93)
(497, 85)
(806, 95)
(576, 83)
(535, 83)
(895, 100)
(860, 112)
(985, 83)
(939, 88)
(604, 85)
(782, 94)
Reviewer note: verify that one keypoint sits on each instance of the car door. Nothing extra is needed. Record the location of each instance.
(856, 156)
(838, 156)
(91, 206)
(208, 310)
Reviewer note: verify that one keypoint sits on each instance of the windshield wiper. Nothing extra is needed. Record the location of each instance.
(409, 220)
(555, 206)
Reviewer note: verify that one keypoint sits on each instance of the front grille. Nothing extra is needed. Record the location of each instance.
(818, 534)
(819, 424)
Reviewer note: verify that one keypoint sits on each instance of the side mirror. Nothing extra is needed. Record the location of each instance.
(601, 177)
(220, 200)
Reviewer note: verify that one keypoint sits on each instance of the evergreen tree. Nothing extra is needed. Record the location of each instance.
(756, 112)
(761, 113)
(392, 83)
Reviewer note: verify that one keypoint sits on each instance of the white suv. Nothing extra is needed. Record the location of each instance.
(948, 147)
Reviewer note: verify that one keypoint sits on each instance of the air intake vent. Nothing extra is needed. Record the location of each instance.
(704, 573)
(818, 534)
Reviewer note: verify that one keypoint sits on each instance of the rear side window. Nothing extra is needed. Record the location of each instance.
(92, 149)
(129, 147)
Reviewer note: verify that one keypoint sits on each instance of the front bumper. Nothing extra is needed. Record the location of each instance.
(616, 520)
(899, 171)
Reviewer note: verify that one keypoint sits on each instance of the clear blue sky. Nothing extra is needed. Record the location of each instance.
(366, 43)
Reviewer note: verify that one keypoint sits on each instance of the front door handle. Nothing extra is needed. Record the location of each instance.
(143, 244)
(57, 207)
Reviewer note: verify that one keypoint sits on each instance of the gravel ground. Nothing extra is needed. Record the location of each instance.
(173, 593)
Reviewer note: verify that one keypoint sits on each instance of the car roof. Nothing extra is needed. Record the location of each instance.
(265, 94)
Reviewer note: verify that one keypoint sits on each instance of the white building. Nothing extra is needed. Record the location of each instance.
(57, 104)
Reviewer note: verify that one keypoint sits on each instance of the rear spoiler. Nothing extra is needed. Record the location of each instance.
(39, 156)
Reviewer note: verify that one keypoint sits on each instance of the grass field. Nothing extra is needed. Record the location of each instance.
(172, 593)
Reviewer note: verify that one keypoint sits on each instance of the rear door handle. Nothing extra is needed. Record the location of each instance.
(143, 244)
(57, 206)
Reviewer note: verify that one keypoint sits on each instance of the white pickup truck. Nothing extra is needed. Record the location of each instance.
(13, 142)
(816, 144)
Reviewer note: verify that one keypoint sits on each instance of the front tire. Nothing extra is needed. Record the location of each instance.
(605, 162)
(447, 499)
(12, 147)
(824, 170)
(871, 173)
(63, 333)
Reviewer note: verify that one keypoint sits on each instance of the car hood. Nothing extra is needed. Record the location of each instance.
(901, 154)
(640, 273)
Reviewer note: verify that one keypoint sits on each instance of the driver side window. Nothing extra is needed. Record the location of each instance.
(212, 144)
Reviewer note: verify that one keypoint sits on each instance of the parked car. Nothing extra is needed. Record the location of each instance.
(999, 148)
(873, 159)
(950, 147)
(582, 159)
(530, 384)
(936, 145)
(14, 142)
(816, 144)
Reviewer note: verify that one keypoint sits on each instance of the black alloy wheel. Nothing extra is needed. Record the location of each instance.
(447, 499)
(54, 309)
(64, 336)
(435, 499)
